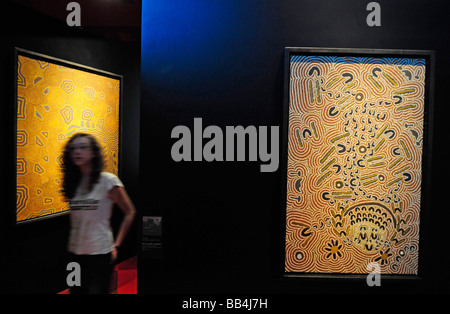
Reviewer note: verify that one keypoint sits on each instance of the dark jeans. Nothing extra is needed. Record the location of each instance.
(95, 273)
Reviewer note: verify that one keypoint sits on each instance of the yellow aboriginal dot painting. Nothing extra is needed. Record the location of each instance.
(354, 165)
(53, 103)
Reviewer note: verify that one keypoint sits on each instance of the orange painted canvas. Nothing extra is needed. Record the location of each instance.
(354, 168)
(53, 103)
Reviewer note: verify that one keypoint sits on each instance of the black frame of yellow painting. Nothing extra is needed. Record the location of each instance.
(425, 205)
(68, 64)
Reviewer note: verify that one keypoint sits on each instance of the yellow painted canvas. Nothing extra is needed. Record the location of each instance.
(53, 103)
(354, 168)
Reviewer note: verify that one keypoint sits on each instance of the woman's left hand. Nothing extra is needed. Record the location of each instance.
(114, 255)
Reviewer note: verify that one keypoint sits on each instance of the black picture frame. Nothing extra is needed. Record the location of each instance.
(67, 64)
(425, 205)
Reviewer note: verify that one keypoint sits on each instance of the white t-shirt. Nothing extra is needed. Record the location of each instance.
(90, 213)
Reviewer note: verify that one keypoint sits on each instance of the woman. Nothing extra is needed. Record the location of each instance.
(91, 193)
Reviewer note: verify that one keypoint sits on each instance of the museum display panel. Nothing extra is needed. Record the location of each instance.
(56, 99)
(357, 140)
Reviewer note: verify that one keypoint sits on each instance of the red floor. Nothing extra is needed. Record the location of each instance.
(124, 278)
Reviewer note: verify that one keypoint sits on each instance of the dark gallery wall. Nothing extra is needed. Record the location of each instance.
(33, 254)
(222, 61)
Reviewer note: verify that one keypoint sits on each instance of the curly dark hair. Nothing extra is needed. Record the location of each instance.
(71, 172)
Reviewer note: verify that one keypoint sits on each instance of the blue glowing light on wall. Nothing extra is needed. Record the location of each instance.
(183, 36)
(198, 46)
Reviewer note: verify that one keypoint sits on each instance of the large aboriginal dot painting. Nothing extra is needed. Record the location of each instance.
(354, 164)
(53, 103)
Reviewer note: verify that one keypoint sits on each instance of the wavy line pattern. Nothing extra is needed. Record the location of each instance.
(354, 164)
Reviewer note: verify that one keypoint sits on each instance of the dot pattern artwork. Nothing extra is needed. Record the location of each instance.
(53, 103)
(354, 164)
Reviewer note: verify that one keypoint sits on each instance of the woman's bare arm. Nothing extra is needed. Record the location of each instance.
(120, 197)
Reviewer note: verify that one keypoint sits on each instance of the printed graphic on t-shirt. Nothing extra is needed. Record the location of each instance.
(89, 204)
